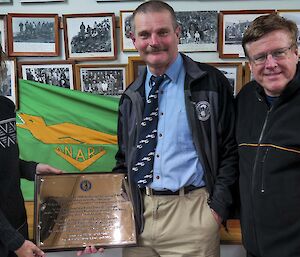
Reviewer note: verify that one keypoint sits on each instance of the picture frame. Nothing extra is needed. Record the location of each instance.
(248, 74)
(232, 25)
(199, 31)
(125, 28)
(101, 79)
(3, 32)
(56, 73)
(9, 84)
(293, 15)
(90, 36)
(33, 34)
(233, 71)
(135, 66)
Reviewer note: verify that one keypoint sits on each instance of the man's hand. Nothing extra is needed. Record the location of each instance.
(29, 249)
(89, 250)
(42, 168)
(217, 217)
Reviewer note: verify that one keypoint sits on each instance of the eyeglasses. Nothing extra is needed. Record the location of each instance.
(277, 54)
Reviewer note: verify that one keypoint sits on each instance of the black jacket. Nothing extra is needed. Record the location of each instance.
(13, 220)
(213, 138)
(269, 151)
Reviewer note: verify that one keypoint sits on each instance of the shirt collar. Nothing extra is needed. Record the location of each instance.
(172, 72)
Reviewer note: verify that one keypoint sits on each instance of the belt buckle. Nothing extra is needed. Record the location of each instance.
(148, 191)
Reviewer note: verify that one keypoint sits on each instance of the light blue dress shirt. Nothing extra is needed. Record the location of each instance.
(176, 163)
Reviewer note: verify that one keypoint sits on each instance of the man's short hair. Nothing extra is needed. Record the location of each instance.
(265, 24)
(154, 6)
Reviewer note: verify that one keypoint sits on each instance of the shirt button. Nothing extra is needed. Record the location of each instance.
(157, 155)
(160, 134)
(157, 177)
(161, 113)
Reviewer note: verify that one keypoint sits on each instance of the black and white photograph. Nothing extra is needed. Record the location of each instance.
(233, 71)
(3, 32)
(232, 27)
(9, 84)
(33, 34)
(90, 36)
(125, 28)
(55, 73)
(199, 31)
(293, 15)
(102, 79)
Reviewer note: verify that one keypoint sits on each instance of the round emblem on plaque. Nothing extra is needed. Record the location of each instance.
(203, 110)
(85, 185)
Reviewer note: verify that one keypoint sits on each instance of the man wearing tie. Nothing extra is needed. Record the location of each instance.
(176, 143)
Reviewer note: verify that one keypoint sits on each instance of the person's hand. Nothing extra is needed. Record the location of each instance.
(42, 168)
(217, 217)
(89, 250)
(29, 249)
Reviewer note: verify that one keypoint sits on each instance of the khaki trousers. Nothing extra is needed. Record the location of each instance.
(177, 226)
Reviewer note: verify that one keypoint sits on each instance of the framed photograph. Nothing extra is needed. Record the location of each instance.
(3, 38)
(293, 15)
(102, 79)
(135, 66)
(231, 28)
(9, 84)
(33, 34)
(125, 28)
(56, 73)
(90, 36)
(233, 71)
(199, 31)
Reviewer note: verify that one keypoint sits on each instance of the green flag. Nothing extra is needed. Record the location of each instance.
(68, 129)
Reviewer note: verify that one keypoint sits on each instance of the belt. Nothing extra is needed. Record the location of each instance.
(181, 191)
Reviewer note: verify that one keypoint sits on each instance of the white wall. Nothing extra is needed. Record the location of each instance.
(91, 6)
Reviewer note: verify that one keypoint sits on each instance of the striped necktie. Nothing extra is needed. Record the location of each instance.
(147, 140)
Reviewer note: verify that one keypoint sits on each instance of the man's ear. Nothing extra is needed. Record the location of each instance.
(132, 36)
(178, 31)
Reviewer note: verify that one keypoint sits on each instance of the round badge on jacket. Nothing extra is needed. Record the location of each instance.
(203, 110)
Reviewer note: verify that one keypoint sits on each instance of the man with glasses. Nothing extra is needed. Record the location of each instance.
(268, 127)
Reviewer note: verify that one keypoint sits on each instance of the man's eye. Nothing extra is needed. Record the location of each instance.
(260, 58)
(144, 35)
(278, 53)
(163, 33)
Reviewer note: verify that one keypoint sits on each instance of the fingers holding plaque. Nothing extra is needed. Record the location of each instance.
(73, 211)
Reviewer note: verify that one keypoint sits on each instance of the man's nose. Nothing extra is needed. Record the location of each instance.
(154, 40)
(270, 61)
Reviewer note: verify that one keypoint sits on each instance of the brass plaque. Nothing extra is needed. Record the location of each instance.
(76, 210)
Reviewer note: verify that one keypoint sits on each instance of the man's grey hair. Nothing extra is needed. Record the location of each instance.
(154, 6)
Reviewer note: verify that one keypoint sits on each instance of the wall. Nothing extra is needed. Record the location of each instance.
(91, 6)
